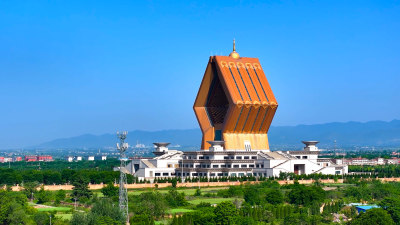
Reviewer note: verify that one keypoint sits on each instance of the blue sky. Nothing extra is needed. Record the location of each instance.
(74, 67)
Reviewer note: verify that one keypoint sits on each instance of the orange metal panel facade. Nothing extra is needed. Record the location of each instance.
(235, 103)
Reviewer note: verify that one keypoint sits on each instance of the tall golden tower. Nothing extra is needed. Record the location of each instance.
(235, 103)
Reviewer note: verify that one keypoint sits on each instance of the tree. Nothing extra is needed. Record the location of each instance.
(198, 192)
(147, 220)
(30, 188)
(60, 196)
(252, 195)
(295, 219)
(102, 212)
(41, 218)
(274, 196)
(377, 216)
(303, 195)
(79, 218)
(51, 177)
(43, 196)
(105, 208)
(175, 199)
(149, 203)
(110, 190)
(81, 188)
(17, 215)
(225, 213)
(174, 182)
(392, 206)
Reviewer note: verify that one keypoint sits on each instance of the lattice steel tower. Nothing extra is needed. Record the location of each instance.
(123, 194)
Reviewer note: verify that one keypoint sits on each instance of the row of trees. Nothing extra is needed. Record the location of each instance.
(63, 176)
(378, 170)
(59, 165)
(50, 177)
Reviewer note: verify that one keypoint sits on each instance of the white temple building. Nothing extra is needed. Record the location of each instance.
(218, 162)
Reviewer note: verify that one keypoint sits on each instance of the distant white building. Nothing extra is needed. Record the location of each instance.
(69, 158)
(218, 162)
(78, 158)
(101, 157)
(8, 159)
(90, 158)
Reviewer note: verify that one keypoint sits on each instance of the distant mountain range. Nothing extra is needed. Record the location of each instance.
(349, 134)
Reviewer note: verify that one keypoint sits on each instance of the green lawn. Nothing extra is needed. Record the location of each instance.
(161, 222)
(338, 185)
(98, 193)
(60, 209)
(66, 216)
(188, 191)
(210, 200)
(179, 210)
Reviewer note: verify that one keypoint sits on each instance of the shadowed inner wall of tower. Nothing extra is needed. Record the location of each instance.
(217, 106)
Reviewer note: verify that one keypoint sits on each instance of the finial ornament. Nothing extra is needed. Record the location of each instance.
(234, 54)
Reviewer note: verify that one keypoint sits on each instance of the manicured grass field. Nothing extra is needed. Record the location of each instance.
(210, 200)
(60, 209)
(190, 191)
(161, 222)
(179, 210)
(338, 185)
(66, 216)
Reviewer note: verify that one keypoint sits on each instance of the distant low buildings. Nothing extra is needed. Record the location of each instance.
(372, 162)
(393, 161)
(5, 159)
(45, 158)
(88, 158)
(30, 158)
(101, 157)
(27, 158)
(17, 159)
(49, 158)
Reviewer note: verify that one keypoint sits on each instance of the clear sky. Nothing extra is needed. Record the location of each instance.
(74, 67)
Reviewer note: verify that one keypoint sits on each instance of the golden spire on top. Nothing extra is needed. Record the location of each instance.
(234, 54)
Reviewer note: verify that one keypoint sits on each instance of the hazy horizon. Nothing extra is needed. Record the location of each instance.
(142, 130)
